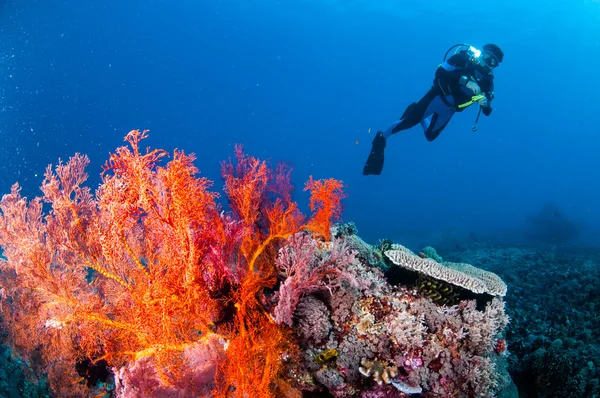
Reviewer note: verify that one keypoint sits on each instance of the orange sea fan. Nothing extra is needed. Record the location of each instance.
(150, 264)
(325, 202)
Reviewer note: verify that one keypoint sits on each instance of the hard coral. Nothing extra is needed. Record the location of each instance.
(460, 274)
(380, 371)
(500, 346)
(450, 357)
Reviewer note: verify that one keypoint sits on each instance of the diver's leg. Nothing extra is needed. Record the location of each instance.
(436, 118)
(410, 118)
(412, 114)
(436, 128)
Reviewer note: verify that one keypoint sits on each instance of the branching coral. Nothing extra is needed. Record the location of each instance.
(380, 371)
(144, 270)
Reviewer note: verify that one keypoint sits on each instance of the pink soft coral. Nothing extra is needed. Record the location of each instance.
(308, 269)
(142, 378)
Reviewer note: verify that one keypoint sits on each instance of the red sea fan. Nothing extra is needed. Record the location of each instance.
(140, 273)
(325, 199)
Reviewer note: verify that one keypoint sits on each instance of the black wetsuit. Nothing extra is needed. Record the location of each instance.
(446, 83)
(437, 106)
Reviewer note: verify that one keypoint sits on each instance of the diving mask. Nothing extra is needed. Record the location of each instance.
(489, 59)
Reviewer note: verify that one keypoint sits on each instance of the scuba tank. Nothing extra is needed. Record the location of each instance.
(473, 54)
(472, 51)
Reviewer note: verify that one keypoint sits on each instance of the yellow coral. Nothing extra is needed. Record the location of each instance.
(326, 356)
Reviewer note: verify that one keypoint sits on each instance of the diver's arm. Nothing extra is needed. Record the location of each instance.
(486, 104)
(448, 74)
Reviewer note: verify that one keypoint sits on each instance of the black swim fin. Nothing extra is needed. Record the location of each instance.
(374, 163)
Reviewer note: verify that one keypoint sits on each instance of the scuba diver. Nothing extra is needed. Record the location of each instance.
(463, 79)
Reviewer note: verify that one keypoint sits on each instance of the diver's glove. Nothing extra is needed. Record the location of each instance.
(485, 105)
(474, 87)
(487, 110)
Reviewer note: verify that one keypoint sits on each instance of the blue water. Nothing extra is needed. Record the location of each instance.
(310, 82)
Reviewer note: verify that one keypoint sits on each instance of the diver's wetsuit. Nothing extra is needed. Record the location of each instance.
(437, 106)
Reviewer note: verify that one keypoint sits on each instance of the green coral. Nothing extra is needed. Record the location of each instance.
(430, 252)
(384, 263)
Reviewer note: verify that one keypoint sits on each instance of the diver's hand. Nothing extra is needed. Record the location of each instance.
(486, 107)
(486, 110)
(474, 87)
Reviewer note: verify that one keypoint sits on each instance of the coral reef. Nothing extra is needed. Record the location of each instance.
(150, 288)
(391, 340)
(146, 273)
(440, 292)
(430, 252)
(464, 275)
(17, 379)
(380, 371)
(553, 338)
